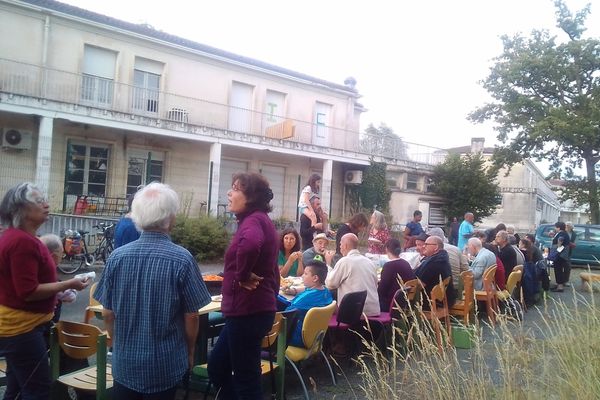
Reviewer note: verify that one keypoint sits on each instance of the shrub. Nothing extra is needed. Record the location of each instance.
(204, 237)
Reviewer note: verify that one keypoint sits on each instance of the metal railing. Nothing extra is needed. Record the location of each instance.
(198, 115)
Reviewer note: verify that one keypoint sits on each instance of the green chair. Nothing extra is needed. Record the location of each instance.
(80, 341)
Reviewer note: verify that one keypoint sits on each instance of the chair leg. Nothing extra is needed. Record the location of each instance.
(329, 367)
(300, 375)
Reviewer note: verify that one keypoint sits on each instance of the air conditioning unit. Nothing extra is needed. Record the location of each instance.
(353, 178)
(16, 139)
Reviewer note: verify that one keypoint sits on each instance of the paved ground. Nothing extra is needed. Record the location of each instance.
(320, 386)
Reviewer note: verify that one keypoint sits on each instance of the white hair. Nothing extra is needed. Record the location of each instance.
(15, 202)
(438, 232)
(52, 242)
(379, 220)
(154, 207)
(475, 242)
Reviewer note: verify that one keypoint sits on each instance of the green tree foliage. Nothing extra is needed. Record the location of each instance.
(547, 104)
(467, 185)
(374, 192)
(383, 142)
(204, 237)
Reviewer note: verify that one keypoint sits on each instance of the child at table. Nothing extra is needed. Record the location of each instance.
(314, 294)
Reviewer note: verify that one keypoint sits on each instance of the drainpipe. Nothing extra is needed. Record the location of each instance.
(45, 57)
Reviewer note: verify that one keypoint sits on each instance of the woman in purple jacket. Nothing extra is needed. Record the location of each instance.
(250, 287)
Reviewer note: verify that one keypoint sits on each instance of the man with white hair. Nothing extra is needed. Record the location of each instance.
(482, 261)
(354, 273)
(458, 261)
(151, 290)
(507, 253)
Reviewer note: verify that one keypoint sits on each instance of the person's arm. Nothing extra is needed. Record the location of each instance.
(191, 333)
(477, 267)
(250, 241)
(47, 290)
(300, 269)
(406, 233)
(464, 263)
(284, 269)
(109, 321)
(336, 276)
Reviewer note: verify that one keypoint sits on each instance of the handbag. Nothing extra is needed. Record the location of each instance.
(554, 254)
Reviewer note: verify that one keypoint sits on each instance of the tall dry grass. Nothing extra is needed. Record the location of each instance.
(557, 357)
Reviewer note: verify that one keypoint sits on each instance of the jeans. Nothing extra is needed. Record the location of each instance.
(234, 364)
(120, 392)
(27, 368)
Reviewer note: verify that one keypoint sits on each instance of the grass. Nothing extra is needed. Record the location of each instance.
(558, 357)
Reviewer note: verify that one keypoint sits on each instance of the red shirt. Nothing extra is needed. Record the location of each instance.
(25, 262)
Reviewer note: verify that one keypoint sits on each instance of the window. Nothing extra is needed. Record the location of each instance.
(594, 235)
(146, 82)
(87, 166)
(144, 168)
(97, 82)
(412, 181)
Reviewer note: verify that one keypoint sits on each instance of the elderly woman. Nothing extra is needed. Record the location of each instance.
(290, 255)
(28, 291)
(250, 287)
(379, 233)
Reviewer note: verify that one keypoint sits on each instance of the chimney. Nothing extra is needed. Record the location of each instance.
(477, 144)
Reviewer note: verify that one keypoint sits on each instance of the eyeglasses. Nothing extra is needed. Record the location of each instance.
(40, 201)
(430, 244)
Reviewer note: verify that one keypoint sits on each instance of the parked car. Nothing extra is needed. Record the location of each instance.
(587, 243)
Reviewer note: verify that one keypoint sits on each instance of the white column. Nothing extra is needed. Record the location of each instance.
(326, 185)
(213, 182)
(44, 154)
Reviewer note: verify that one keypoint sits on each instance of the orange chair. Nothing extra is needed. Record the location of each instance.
(462, 308)
(488, 294)
(439, 313)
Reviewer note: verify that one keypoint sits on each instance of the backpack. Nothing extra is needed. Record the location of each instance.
(531, 283)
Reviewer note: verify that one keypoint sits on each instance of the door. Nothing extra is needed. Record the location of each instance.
(240, 108)
(276, 177)
(321, 124)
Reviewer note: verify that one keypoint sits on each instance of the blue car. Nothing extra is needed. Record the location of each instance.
(587, 242)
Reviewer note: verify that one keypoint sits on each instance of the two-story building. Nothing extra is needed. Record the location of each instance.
(91, 105)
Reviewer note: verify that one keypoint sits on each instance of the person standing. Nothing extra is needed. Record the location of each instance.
(465, 231)
(355, 225)
(151, 291)
(312, 188)
(454, 227)
(28, 290)
(307, 229)
(572, 237)
(561, 240)
(250, 288)
(413, 229)
(126, 231)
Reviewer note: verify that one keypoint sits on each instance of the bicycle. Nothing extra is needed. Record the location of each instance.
(76, 249)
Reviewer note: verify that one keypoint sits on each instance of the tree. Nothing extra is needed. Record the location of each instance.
(383, 142)
(467, 185)
(547, 104)
(372, 193)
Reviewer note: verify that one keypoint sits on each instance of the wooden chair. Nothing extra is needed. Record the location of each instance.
(314, 328)
(462, 308)
(488, 294)
(439, 311)
(89, 313)
(518, 268)
(276, 336)
(81, 341)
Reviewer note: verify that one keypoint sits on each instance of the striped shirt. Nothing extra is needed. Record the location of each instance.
(149, 284)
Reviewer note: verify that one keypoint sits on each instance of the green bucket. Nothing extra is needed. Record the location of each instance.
(463, 337)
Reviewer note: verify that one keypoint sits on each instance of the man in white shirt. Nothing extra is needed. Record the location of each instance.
(354, 273)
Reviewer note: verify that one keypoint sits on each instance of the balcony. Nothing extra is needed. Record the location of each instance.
(57, 90)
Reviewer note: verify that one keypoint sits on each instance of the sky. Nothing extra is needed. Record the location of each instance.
(417, 63)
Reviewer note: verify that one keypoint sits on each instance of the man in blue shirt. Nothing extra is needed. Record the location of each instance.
(151, 291)
(413, 229)
(465, 231)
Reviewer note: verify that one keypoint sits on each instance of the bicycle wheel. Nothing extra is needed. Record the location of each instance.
(106, 251)
(72, 265)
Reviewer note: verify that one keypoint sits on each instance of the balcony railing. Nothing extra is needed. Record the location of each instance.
(48, 84)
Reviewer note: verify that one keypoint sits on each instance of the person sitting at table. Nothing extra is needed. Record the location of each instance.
(151, 290)
(392, 270)
(482, 261)
(435, 267)
(354, 273)
(319, 248)
(314, 294)
(378, 234)
(290, 256)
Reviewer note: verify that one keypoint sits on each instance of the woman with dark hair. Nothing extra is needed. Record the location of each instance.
(290, 255)
(250, 288)
(392, 270)
(28, 290)
(561, 242)
(356, 224)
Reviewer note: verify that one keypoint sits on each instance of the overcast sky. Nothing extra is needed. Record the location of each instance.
(417, 63)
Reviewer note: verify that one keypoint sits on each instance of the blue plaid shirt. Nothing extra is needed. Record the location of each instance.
(149, 284)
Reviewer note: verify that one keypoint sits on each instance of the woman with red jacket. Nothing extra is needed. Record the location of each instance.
(250, 287)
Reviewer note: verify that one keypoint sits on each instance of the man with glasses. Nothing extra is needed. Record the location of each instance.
(435, 267)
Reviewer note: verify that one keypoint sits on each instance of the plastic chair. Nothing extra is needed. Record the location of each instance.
(314, 328)
(462, 308)
(80, 341)
(439, 311)
(93, 302)
(488, 294)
